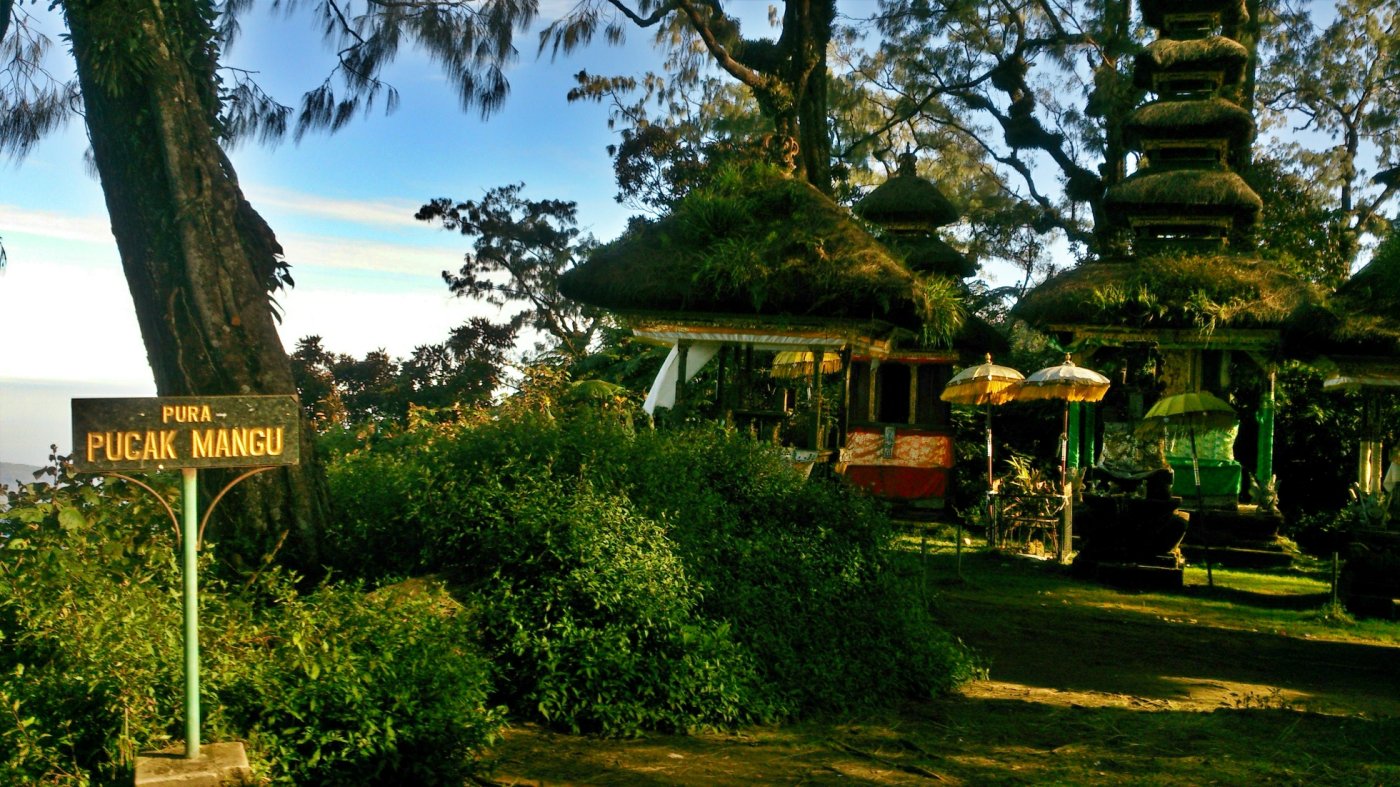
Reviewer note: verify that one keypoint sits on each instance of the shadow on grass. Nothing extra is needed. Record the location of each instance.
(1036, 627)
(1010, 741)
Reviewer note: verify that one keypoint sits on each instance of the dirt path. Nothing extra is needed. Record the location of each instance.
(1085, 686)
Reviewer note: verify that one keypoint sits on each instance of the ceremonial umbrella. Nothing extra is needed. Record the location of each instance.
(1068, 382)
(1194, 410)
(798, 363)
(985, 384)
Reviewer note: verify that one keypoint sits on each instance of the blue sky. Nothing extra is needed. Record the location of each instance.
(368, 274)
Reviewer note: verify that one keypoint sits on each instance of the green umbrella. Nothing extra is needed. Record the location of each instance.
(1194, 410)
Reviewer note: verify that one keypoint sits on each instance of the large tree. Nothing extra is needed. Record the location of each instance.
(199, 260)
(787, 76)
(520, 249)
(1042, 88)
(1329, 89)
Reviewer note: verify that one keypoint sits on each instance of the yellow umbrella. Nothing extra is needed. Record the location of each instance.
(798, 363)
(985, 384)
(1068, 382)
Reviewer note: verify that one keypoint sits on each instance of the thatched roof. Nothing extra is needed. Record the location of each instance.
(907, 202)
(1186, 192)
(977, 337)
(1207, 118)
(1197, 54)
(754, 242)
(1170, 290)
(929, 254)
(1232, 12)
(1361, 318)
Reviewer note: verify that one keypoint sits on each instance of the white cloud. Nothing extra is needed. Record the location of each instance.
(324, 251)
(55, 225)
(379, 213)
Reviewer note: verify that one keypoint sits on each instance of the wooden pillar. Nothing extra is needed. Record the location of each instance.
(874, 390)
(1066, 541)
(1371, 462)
(843, 411)
(913, 392)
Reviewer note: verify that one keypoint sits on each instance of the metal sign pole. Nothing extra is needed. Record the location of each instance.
(190, 542)
(187, 433)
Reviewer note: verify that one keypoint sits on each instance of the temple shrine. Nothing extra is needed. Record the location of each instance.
(1186, 306)
(823, 338)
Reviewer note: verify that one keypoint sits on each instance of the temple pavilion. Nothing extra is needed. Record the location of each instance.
(787, 317)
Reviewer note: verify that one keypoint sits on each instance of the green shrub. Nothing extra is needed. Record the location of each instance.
(330, 687)
(801, 568)
(655, 579)
(588, 614)
(340, 687)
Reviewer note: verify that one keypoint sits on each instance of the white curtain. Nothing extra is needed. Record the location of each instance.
(663, 388)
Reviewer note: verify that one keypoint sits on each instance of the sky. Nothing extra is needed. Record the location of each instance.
(368, 275)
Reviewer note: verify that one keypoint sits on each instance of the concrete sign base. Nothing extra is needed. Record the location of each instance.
(218, 765)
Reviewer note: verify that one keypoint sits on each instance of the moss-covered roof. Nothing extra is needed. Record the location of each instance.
(930, 254)
(1208, 118)
(907, 202)
(1361, 318)
(754, 242)
(1185, 192)
(1232, 12)
(1197, 54)
(1169, 291)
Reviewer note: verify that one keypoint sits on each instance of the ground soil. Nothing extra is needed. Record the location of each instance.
(1084, 685)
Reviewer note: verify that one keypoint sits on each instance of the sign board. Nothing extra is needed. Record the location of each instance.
(168, 432)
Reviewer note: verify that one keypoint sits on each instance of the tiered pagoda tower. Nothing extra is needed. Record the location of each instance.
(1191, 307)
(909, 210)
(1187, 194)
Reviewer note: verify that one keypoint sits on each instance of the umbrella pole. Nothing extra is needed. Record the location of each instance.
(1200, 503)
(989, 445)
(1064, 447)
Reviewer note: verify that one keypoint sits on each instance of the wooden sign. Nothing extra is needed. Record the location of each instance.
(185, 431)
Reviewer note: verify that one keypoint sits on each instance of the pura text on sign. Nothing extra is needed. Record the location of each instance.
(185, 431)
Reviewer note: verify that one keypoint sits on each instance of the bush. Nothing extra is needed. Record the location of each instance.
(584, 606)
(337, 687)
(322, 685)
(641, 580)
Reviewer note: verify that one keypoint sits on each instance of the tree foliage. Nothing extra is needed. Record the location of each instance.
(1331, 90)
(160, 108)
(520, 249)
(466, 370)
(787, 77)
(1043, 89)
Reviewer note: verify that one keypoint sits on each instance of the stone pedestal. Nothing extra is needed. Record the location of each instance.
(218, 765)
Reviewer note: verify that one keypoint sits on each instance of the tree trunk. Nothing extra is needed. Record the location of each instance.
(809, 23)
(197, 257)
